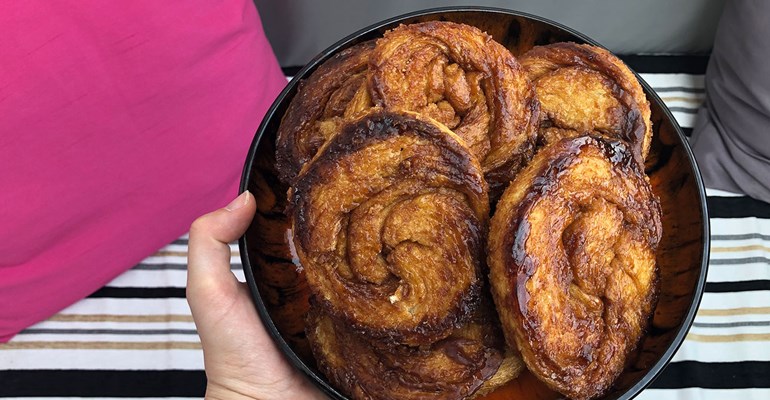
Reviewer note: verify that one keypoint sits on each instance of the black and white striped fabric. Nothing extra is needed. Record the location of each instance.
(135, 337)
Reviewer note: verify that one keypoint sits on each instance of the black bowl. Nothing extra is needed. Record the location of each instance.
(280, 291)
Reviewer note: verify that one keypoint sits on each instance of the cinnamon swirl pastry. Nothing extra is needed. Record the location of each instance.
(584, 89)
(470, 361)
(461, 77)
(572, 250)
(334, 93)
(389, 221)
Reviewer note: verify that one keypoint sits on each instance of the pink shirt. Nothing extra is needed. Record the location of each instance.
(120, 122)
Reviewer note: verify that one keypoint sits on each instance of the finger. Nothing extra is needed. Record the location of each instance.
(209, 251)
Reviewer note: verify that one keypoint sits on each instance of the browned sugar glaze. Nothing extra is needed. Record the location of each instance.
(572, 249)
(334, 93)
(389, 221)
(451, 72)
(586, 89)
(461, 77)
(468, 361)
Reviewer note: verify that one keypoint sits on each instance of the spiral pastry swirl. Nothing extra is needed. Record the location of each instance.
(586, 89)
(459, 76)
(469, 361)
(572, 250)
(389, 222)
(334, 93)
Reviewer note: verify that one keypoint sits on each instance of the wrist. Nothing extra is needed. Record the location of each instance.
(217, 392)
(304, 391)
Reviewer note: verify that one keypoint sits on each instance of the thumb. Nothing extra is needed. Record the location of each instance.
(209, 251)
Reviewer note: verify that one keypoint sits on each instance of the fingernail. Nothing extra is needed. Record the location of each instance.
(238, 202)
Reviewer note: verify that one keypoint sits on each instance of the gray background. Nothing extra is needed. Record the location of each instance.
(300, 29)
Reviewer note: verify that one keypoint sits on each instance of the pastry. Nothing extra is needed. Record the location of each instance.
(333, 94)
(586, 89)
(389, 223)
(459, 76)
(572, 249)
(469, 362)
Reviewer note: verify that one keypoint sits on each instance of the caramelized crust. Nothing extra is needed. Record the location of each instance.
(461, 77)
(584, 89)
(466, 362)
(510, 368)
(572, 262)
(389, 222)
(334, 93)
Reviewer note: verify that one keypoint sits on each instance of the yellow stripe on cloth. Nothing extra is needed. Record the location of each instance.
(740, 337)
(734, 311)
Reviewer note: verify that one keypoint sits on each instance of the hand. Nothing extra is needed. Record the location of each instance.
(240, 358)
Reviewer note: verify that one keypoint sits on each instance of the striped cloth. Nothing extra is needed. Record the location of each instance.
(135, 337)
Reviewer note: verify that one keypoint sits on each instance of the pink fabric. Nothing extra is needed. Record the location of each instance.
(120, 122)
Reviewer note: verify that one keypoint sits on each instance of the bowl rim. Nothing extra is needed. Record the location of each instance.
(264, 315)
